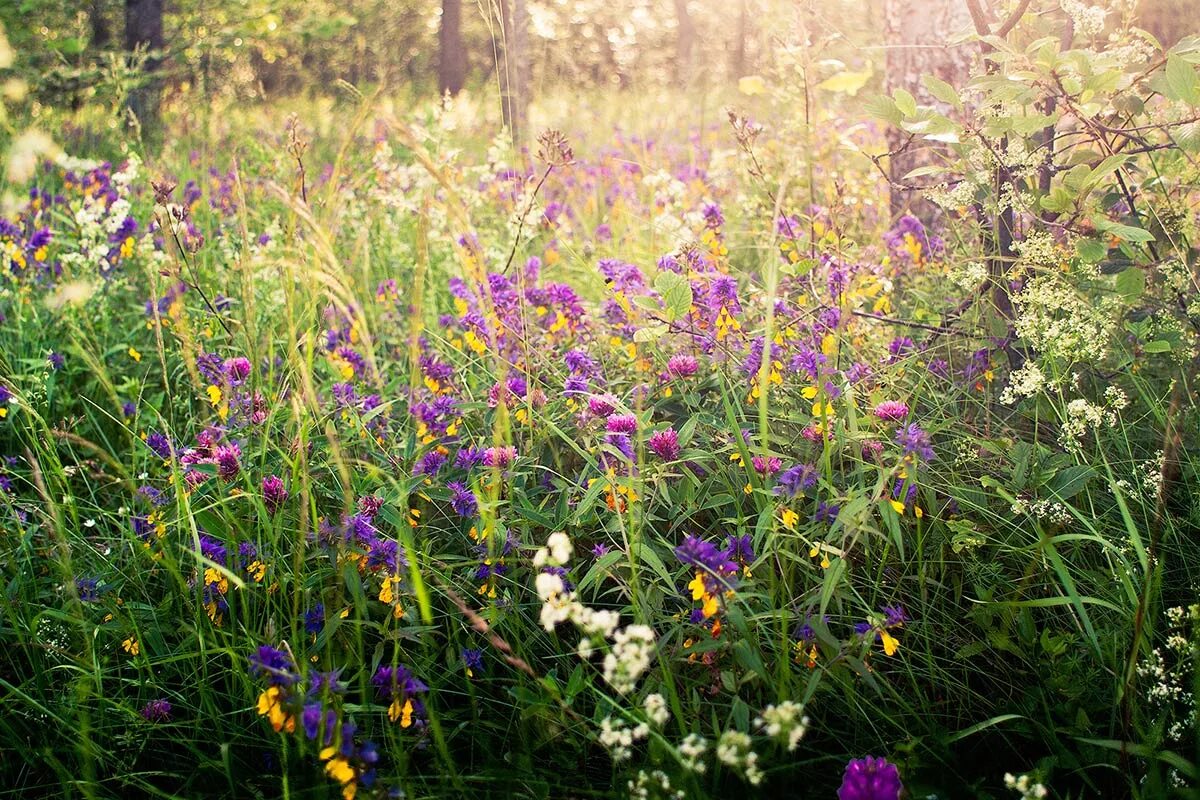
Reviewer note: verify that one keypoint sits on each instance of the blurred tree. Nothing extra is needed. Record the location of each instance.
(1168, 20)
(452, 54)
(918, 33)
(514, 68)
(144, 34)
(737, 63)
(101, 35)
(685, 42)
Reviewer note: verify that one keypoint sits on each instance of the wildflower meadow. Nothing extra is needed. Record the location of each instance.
(534, 399)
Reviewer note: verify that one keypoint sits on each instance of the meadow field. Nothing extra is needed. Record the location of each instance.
(797, 428)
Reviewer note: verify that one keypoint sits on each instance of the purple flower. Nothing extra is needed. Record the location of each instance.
(156, 711)
(894, 616)
(314, 619)
(87, 590)
(462, 499)
(228, 459)
(472, 659)
(739, 549)
(794, 480)
(599, 550)
(622, 423)
(468, 457)
(276, 664)
(664, 444)
(704, 555)
(274, 493)
(56, 360)
(915, 442)
(159, 444)
(430, 463)
(870, 778)
(766, 466)
(826, 512)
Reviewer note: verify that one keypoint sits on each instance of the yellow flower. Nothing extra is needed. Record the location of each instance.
(816, 550)
(697, 586)
(890, 643)
(790, 518)
(403, 713)
(131, 646)
(386, 595)
(337, 767)
(270, 705)
(897, 506)
(752, 85)
(134, 354)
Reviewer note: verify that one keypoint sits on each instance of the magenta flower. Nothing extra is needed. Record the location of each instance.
(237, 368)
(602, 405)
(664, 444)
(891, 410)
(499, 456)
(682, 366)
(274, 493)
(870, 778)
(622, 423)
(228, 460)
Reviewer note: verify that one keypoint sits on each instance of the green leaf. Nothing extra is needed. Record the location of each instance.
(1182, 83)
(1071, 481)
(905, 102)
(1157, 346)
(884, 108)
(846, 82)
(676, 293)
(1091, 250)
(1126, 232)
(941, 90)
(1130, 284)
(649, 333)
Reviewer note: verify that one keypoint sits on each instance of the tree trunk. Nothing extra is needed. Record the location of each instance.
(685, 42)
(452, 55)
(101, 36)
(514, 69)
(916, 35)
(737, 63)
(144, 30)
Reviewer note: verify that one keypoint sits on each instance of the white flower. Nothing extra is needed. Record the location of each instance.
(656, 709)
(548, 586)
(632, 650)
(692, 750)
(785, 721)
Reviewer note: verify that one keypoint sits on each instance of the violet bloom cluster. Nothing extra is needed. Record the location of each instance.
(870, 778)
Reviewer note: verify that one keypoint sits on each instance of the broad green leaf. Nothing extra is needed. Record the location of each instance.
(1126, 232)
(676, 293)
(1130, 284)
(1091, 250)
(905, 102)
(846, 82)
(649, 333)
(941, 90)
(1182, 83)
